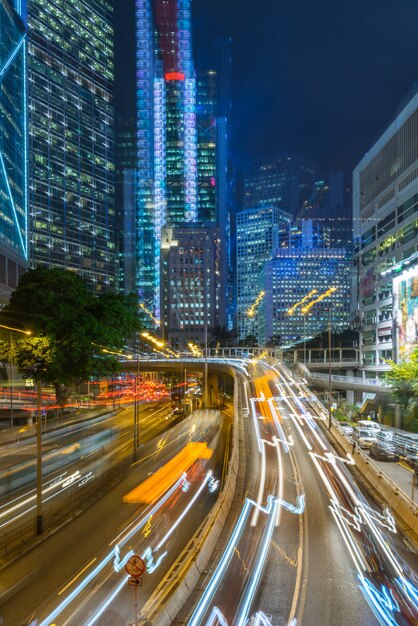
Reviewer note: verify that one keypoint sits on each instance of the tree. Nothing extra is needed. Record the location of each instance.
(220, 335)
(70, 327)
(250, 341)
(275, 341)
(403, 378)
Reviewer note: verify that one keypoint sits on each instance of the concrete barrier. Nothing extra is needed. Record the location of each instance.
(176, 587)
(403, 507)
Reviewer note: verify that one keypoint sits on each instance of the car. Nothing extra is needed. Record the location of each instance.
(385, 435)
(346, 428)
(373, 426)
(363, 437)
(383, 450)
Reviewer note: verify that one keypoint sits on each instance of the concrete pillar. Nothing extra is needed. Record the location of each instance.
(350, 396)
(380, 413)
(213, 390)
(398, 416)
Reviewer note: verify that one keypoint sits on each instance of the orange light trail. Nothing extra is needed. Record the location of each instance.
(153, 487)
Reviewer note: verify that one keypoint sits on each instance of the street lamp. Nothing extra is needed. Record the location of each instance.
(136, 406)
(24, 332)
(329, 368)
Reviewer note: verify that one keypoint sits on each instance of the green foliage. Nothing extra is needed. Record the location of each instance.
(403, 378)
(221, 336)
(69, 325)
(347, 412)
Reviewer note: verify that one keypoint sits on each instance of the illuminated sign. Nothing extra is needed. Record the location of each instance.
(405, 311)
(174, 76)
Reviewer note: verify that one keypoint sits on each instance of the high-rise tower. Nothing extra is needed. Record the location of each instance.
(13, 147)
(71, 125)
(166, 135)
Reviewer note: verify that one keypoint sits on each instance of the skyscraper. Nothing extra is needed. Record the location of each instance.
(71, 125)
(257, 236)
(284, 181)
(167, 135)
(303, 274)
(13, 147)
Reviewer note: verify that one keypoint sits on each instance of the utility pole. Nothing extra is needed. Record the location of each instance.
(206, 366)
(11, 385)
(329, 370)
(39, 517)
(136, 408)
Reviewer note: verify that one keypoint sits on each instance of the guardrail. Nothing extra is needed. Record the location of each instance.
(406, 511)
(171, 595)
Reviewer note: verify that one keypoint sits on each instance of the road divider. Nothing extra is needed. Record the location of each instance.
(180, 581)
(405, 510)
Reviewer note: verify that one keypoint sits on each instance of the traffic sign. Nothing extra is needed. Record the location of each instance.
(135, 582)
(135, 566)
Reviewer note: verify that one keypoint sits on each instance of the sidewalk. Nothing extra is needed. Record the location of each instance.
(402, 475)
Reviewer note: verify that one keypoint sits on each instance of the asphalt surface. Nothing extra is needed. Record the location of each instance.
(33, 582)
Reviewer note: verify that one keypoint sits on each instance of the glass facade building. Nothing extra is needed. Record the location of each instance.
(166, 133)
(257, 237)
(288, 278)
(71, 130)
(13, 147)
(284, 181)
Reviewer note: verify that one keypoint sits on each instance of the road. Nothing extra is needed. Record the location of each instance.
(35, 581)
(308, 547)
(73, 457)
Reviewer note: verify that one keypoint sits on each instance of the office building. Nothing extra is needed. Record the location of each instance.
(257, 236)
(306, 286)
(192, 299)
(71, 138)
(125, 204)
(284, 181)
(330, 204)
(166, 133)
(13, 148)
(385, 210)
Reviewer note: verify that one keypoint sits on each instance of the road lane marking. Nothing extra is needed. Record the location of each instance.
(78, 576)
(404, 465)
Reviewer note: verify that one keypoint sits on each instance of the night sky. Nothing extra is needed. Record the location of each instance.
(319, 78)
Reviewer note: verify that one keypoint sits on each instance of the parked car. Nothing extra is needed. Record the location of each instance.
(373, 426)
(386, 435)
(346, 428)
(364, 437)
(383, 450)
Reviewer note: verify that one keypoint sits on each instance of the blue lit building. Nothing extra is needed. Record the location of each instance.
(285, 181)
(258, 234)
(13, 147)
(302, 281)
(166, 133)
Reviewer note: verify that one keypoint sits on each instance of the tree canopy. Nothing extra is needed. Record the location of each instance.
(403, 378)
(70, 327)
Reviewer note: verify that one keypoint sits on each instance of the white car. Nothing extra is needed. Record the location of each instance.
(372, 426)
(346, 428)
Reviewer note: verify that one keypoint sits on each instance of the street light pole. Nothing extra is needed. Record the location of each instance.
(39, 517)
(11, 385)
(304, 339)
(136, 408)
(206, 365)
(329, 370)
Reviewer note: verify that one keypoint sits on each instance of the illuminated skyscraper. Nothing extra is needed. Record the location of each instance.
(166, 136)
(13, 147)
(71, 125)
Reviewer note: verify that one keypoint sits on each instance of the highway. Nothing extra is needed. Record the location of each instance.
(99, 540)
(72, 457)
(306, 545)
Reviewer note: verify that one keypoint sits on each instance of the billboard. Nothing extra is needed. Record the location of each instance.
(405, 311)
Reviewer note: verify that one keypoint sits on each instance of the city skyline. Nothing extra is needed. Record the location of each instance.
(341, 73)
